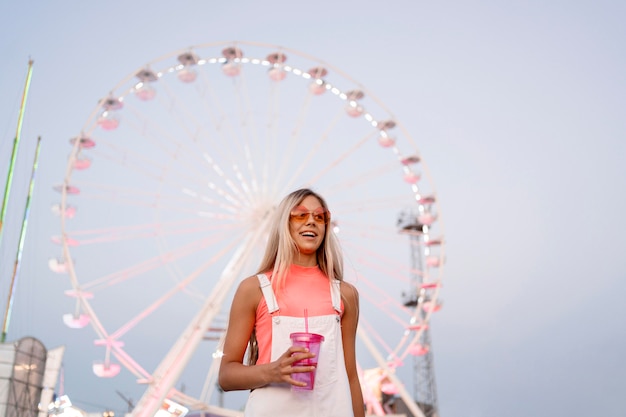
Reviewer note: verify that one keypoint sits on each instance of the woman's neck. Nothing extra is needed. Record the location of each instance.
(305, 260)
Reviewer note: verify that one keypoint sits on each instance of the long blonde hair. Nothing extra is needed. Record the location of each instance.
(281, 249)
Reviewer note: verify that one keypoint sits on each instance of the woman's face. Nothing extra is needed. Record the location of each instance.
(307, 225)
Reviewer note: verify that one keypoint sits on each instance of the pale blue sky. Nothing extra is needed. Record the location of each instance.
(518, 108)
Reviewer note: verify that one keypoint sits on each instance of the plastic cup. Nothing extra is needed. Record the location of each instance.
(313, 342)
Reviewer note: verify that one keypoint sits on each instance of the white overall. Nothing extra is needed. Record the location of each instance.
(330, 396)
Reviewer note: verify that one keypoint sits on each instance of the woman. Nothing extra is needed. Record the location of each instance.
(302, 269)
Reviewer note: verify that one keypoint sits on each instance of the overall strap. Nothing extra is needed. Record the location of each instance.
(335, 294)
(268, 293)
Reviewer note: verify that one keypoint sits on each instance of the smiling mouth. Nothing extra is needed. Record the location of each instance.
(308, 234)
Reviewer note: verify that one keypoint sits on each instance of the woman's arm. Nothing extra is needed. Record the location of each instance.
(233, 374)
(349, 322)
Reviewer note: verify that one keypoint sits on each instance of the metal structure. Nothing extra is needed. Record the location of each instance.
(424, 387)
(22, 368)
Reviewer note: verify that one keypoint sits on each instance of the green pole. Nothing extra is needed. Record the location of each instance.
(20, 246)
(16, 141)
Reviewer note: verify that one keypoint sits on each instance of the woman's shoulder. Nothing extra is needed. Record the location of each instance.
(250, 286)
(247, 296)
(350, 299)
(346, 286)
(349, 291)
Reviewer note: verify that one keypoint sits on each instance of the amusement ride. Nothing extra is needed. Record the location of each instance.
(166, 198)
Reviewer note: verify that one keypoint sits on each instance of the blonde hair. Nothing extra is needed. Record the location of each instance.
(281, 249)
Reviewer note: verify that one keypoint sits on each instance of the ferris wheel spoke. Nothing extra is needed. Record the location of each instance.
(202, 136)
(95, 322)
(168, 295)
(245, 125)
(368, 203)
(339, 159)
(373, 258)
(296, 126)
(380, 293)
(395, 354)
(159, 140)
(363, 178)
(381, 303)
(136, 163)
(212, 196)
(162, 259)
(187, 173)
(130, 364)
(294, 151)
(133, 233)
(277, 130)
(375, 233)
(172, 227)
(225, 129)
(371, 330)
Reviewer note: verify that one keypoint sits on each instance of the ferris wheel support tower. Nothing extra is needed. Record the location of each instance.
(424, 388)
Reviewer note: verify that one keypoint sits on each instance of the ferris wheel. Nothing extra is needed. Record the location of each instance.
(168, 188)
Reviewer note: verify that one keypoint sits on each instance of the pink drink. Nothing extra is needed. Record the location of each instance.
(313, 342)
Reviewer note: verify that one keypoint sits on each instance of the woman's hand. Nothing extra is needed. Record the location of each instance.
(284, 366)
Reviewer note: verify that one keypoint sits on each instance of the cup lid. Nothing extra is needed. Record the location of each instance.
(306, 337)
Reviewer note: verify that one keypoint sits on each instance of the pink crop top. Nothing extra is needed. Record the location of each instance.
(305, 287)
